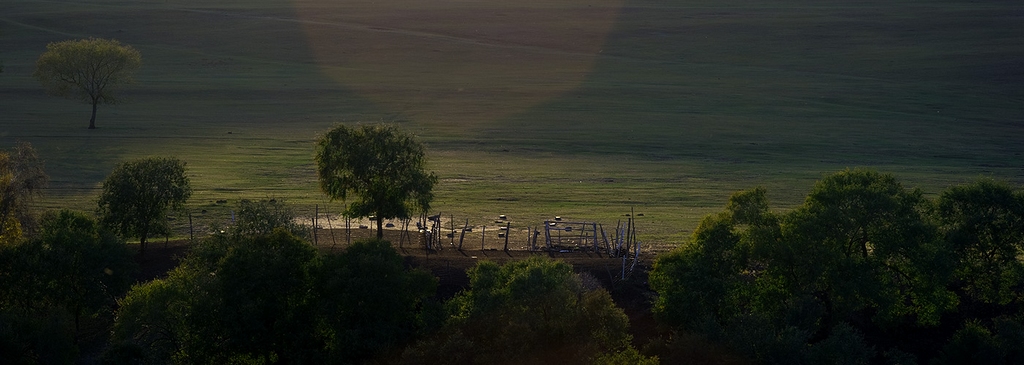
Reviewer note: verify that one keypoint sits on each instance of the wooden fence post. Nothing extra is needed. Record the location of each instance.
(507, 226)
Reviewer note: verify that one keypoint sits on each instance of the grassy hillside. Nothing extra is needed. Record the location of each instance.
(538, 108)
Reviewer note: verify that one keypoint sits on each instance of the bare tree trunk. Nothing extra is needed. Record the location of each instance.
(92, 121)
(380, 227)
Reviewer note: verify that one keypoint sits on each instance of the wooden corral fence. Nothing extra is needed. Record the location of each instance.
(566, 236)
(334, 231)
(439, 232)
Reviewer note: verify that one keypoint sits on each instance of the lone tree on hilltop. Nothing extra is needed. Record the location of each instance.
(87, 69)
(138, 194)
(379, 164)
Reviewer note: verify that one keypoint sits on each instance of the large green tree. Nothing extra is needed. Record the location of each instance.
(863, 241)
(231, 300)
(89, 70)
(369, 302)
(138, 194)
(380, 165)
(87, 266)
(779, 288)
(533, 311)
(984, 224)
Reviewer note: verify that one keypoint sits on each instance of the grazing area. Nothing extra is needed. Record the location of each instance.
(536, 108)
(599, 112)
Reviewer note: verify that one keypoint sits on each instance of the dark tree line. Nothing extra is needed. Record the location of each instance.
(70, 270)
(865, 271)
(68, 267)
(272, 299)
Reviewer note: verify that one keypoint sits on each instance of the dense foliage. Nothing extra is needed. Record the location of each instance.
(272, 299)
(70, 269)
(862, 256)
(534, 311)
(138, 194)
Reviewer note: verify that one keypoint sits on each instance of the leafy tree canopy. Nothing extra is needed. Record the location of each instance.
(867, 242)
(530, 311)
(380, 165)
(88, 267)
(984, 224)
(370, 303)
(138, 194)
(789, 287)
(272, 299)
(87, 69)
(975, 343)
(70, 269)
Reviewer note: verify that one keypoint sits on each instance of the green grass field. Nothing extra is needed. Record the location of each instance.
(537, 108)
